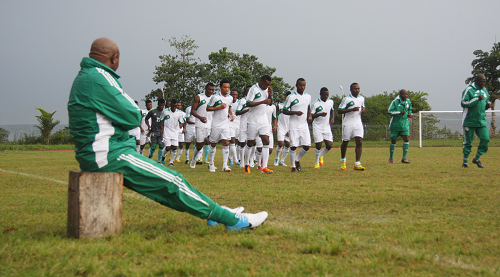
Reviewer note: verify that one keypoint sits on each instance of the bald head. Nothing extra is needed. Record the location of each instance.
(106, 51)
(403, 94)
(480, 80)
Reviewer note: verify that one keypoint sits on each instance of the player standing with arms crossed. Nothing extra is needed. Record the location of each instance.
(155, 129)
(297, 107)
(400, 110)
(353, 106)
(322, 114)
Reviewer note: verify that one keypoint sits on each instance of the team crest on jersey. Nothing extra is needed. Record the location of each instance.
(218, 103)
(319, 109)
(167, 117)
(294, 102)
(202, 102)
(258, 95)
(350, 104)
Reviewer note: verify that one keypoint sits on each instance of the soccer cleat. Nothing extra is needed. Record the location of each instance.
(193, 163)
(238, 210)
(465, 165)
(187, 161)
(259, 167)
(171, 165)
(266, 171)
(237, 163)
(283, 163)
(211, 168)
(247, 169)
(297, 165)
(242, 165)
(317, 166)
(406, 161)
(226, 169)
(163, 162)
(178, 160)
(358, 167)
(252, 163)
(391, 161)
(321, 162)
(276, 162)
(248, 221)
(478, 163)
(231, 161)
(199, 162)
(343, 167)
(293, 169)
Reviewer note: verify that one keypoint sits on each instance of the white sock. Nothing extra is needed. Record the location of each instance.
(241, 154)
(195, 154)
(173, 154)
(138, 148)
(278, 152)
(316, 155)
(187, 154)
(285, 153)
(234, 153)
(323, 152)
(252, 153)
(265, 156)
(248, 151)
(211, 154)
(225, 155)
(293, 155)
(258, 157)
(179, 153)
(301, 154)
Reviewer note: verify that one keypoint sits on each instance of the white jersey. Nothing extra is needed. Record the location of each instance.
(296, 102)
(352, 118)
(242, 106)
(236, 122)
(257, 114)
(201, 110)
(171, 121)
(189, 127)
(271, 114)
(143, 121)
(283, 119)
(181, 119)
(322, 123)
(220, 118)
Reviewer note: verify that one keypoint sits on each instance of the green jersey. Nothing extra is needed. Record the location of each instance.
(474, 113)
(399, 122)
(100, 115)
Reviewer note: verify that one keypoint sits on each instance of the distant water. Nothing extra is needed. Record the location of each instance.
(18, 130)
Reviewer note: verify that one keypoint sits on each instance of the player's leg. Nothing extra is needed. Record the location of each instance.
(264, 135)
(484, 139)
(280, 136)
(200, 141)
(394, 136)
(318, 141)
(286, 150)
(305, 142)
(225, 155)
(359, 150)
(467, 144)
(406, 147)
(328, 139)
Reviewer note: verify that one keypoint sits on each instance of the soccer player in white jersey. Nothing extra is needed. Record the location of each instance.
(242, 112)
(220, 105)
(182, 131)
(297, 106)
(271, 121)
(201, 121)
(353, 106)
(190, 134)
(282, 134)
(322, 114)
(258, 99)
(234, 130)
(170, 121)
(144, 127)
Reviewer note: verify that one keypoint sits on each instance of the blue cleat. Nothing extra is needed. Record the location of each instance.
(248, 221)
(238, 210)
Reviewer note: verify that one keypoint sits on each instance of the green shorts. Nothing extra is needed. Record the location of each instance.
(396, 134)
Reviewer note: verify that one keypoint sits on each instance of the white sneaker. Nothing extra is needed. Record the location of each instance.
(252, 163)
(276, 162)
(226, 169)
(248, 221)
(192, 164)
(242, 165)
(211, 168)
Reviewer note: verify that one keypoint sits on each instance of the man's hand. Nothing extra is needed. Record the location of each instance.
(321, 114)
(299, 113)
(203, 119)
(332, 121)
(222, 106)
(403, 112)
(488, 105)
(409, 115)
(481, 96)
(355, 109)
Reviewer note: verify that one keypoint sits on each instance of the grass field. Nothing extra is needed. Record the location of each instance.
(428, 218)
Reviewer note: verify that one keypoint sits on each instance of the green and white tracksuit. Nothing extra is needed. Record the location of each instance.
(399, 125)
(474, 120)
(100, 115)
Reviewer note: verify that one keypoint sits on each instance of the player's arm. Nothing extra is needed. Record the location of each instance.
(194, 107)
(469, 100)
(393, 109)
(288, 106)
(332, 115)
(342, 107)
(410, 109)
(309, 117)
(146, 119)
(213, 106)
(161, 127)
(231, 116)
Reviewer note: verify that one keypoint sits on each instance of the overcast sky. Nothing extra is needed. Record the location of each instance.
(383, 45)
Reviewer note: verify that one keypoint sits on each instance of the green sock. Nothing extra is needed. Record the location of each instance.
(392, 147)
(406, 145)
(223, 216)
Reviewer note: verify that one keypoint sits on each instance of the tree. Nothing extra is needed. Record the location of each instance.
(4, 136)
(243, 70)
(181, 73)
(489, 65)
(47, 123)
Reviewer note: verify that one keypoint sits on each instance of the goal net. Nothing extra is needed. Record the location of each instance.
(444, 128)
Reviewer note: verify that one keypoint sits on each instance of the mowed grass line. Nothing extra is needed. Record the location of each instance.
(430, 217)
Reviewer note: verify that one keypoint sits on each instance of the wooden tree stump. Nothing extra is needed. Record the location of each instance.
(95, 203)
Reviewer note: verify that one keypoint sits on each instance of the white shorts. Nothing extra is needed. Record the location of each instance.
(145, 139)
(281, 135)
(181, 137)
(352, 131)
(170, 141)
(254, 130)
(234, 131)
(202, 134)
(300, 138)
(219, 133)
(190, 135)
(320, 135)
(258, 142)
(136, 132)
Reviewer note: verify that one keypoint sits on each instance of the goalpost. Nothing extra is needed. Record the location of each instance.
(444, 128)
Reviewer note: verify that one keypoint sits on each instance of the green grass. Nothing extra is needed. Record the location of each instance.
(430, 217)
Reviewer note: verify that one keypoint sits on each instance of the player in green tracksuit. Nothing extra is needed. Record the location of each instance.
(100, 115)
(475, 103)
(400, 110)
